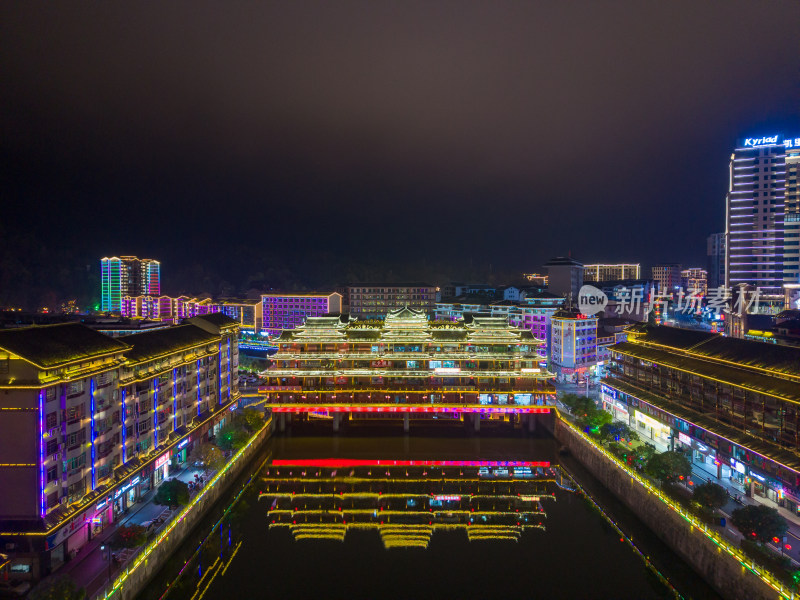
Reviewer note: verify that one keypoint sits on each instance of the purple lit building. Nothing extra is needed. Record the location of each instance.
(287, 311)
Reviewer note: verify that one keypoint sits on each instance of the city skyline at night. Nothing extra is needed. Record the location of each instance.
(310, 149)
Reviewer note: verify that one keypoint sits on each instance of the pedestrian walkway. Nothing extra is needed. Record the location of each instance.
(92, 567)
(735, 491)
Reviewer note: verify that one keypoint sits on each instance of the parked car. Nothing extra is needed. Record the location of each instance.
(150, 526)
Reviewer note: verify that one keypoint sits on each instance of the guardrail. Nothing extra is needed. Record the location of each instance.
(137, 560)
(736, 553)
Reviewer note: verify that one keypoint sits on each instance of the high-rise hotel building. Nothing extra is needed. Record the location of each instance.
(122, 276)
(763, 241)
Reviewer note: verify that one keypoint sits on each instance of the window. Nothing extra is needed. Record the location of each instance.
(52, 474)
(51, 421)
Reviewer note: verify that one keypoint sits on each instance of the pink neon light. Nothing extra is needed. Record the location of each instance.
(302, 408)
(343, 463)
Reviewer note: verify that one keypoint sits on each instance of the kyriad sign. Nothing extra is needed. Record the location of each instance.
(762, 141)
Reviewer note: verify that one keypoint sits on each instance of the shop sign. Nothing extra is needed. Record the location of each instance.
(682, 437)
(608, 391)
(126, 487)
(162, 460)
(761, 478)
(649, 421)
(101, 505)
(183, 444)
(737, 466)
(66, 531)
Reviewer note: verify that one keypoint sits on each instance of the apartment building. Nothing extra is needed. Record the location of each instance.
(88, 423)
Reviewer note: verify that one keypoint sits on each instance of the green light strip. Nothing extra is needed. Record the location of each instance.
(165, 534)
(736, 553)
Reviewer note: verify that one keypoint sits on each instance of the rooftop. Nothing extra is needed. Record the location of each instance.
(50, 346)
(563, 261)
(152, 344)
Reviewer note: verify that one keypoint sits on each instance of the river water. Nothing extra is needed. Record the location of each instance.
(439, 513)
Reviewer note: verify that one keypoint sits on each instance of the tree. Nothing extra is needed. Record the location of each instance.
(586, 412)
(172, 493)
(232, 437)
(57, 587)
(129, 536)
(760, 522)
(208, 455)
(579, 406)
(617, 431)
(667, 466)
(252, 418)
(644, 452)
(710, 495)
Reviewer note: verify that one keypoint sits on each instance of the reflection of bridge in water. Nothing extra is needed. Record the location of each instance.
(407, 501)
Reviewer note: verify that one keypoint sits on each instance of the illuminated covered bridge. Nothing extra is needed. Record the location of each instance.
(408, 365)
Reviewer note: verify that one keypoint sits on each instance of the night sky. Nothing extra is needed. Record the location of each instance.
(236, 141)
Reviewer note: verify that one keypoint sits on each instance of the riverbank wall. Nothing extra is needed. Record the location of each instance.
(144, 566)
(717, 563)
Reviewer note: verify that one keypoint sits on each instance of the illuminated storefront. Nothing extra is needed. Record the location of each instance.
(706, 391)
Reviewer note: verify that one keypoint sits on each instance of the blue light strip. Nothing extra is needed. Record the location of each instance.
(42, 505)
(199, 396)
(92, 436)
(124, 416)
(219, 373)
(229, 369)
(174, 400)
(155, 412)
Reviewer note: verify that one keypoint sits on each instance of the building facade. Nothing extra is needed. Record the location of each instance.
(93, 422)
(730, 404)
(127, 276)
(282, 312)
(791, 217)
(694, 279)
(564, 276)
(247, 312)
(763, 218)
(715, 251)
(600, 272)
(574, 343)
(533, 314)
(375, 300)
(410, 360)
(668, 277)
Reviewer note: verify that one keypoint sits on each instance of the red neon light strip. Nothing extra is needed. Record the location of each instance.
(302, 408)
(343, 463)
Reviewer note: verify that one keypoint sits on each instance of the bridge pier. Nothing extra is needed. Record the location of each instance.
(406, 423)
(476, 420)
(337, 418)
(281, 422)
(531, 418)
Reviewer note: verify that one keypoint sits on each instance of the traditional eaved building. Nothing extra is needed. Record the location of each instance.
(88, 423)
(408, 359)
(733, 405)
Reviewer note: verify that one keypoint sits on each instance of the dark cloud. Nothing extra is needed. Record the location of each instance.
(502, 131)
